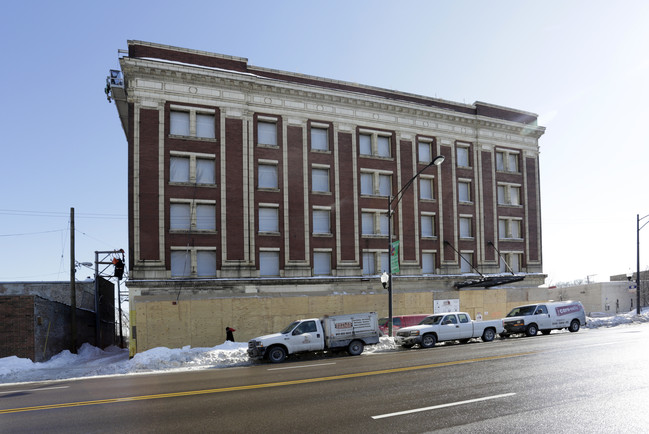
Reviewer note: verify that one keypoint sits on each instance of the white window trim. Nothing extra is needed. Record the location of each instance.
(470, 217)
(470, 190)
(434, 217)
(193, 156)
(193, 111)
(279, 226)
(507, 199)
(193, 203)
(467, 146)
(376, 214)
(507, 153)
(431, 179)
(430, 252)
(193, 252)
(376, 181)
(508, 221)
(374, 134)
(264, 162)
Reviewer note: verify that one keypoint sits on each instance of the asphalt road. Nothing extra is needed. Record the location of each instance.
(593, 381)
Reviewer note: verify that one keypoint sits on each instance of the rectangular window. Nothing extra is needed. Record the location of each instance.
(375, 223)
(267, 133)
(267, 176)
(512, 163)
(365, 144)
(180, 216)
(322, 263)
(192, 168)
(428, 263)
(384, 258)
(427, 225)
(321, 221)
(509, 194)
(320, 180)
(463, 156)
(500, 161)
(205, 263)
(205, 217)
(179, 123)
(375, 144)
(205, 126)
(425, 152)
(383, 146)
(268, 219)
(319, 139)
(384, 224)
(513, 260)
(466, 262)
(385, 185)
(205, 171)
(509, 229)
(507, 161)
(464, 191)
(179, 169)
(369, 267)
(465, 227)
(181, 263)
(367, 223)
(367, 184)
(426, 188)
(269, 263)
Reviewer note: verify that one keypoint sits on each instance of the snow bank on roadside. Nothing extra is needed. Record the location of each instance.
(91, 361)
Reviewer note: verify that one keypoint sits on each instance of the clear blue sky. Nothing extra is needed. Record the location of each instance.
(582, 66)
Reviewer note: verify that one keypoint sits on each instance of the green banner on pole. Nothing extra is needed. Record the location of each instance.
(394, 257)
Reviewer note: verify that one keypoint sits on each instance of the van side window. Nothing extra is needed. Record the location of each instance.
(396, 322)
(463, 318)
(541, 309)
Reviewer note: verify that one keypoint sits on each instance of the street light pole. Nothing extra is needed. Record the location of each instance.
(637, 279)
(393, 201)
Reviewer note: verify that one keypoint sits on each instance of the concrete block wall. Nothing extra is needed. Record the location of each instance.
(202, 322)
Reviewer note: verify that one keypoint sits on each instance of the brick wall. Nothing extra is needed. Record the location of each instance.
(17, 326)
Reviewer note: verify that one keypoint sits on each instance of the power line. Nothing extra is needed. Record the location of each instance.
(29, 213)
(32, 233)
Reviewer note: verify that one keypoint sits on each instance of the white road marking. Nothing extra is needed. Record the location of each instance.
(301, 366)
(435, 407)
(32, 390)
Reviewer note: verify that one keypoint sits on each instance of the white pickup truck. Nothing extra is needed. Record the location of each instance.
(351, 332)
(452, 326)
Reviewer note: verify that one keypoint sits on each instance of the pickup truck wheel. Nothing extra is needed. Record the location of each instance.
(488, 335)
(428, 341)
(355, 348)
(531, 330)
(574, 326)
(276, 354)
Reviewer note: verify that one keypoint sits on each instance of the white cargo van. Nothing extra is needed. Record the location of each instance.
(531, 318)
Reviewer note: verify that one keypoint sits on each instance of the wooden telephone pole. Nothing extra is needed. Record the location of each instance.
(73, 290)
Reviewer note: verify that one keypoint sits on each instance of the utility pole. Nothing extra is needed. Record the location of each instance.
(73, 290)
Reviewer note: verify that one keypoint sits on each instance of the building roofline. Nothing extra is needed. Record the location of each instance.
(153, 51)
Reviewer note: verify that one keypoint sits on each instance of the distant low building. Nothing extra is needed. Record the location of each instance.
(607, 298)
(37, 317)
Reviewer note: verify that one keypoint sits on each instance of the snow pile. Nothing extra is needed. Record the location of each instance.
(91, 361)
(620, 319)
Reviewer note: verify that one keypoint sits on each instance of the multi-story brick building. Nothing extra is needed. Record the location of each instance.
(246, 181)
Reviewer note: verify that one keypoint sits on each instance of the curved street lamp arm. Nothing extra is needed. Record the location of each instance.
(397, 197)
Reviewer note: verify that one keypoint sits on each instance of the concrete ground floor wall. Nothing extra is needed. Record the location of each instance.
(175, 315)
